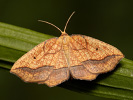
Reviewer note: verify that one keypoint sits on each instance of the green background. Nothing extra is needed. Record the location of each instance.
(108, 20)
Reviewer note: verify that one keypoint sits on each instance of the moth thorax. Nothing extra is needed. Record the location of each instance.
(65, 40)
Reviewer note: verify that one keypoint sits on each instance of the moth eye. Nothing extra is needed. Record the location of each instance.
(96, 49)
(34, 57)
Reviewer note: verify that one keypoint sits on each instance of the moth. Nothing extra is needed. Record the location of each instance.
(54, 60)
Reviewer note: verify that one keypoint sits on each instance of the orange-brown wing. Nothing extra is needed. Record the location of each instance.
(89, 55)
(60, 72)
(41, 63)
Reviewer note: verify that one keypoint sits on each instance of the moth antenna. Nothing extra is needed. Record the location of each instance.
(68, 21)
(51, 24)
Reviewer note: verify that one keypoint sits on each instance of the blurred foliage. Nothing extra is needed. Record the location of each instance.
(15, 41)
(107, 20)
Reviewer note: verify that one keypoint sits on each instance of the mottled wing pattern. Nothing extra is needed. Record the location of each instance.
(45, 63)
(51, 61)
(90, 57)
